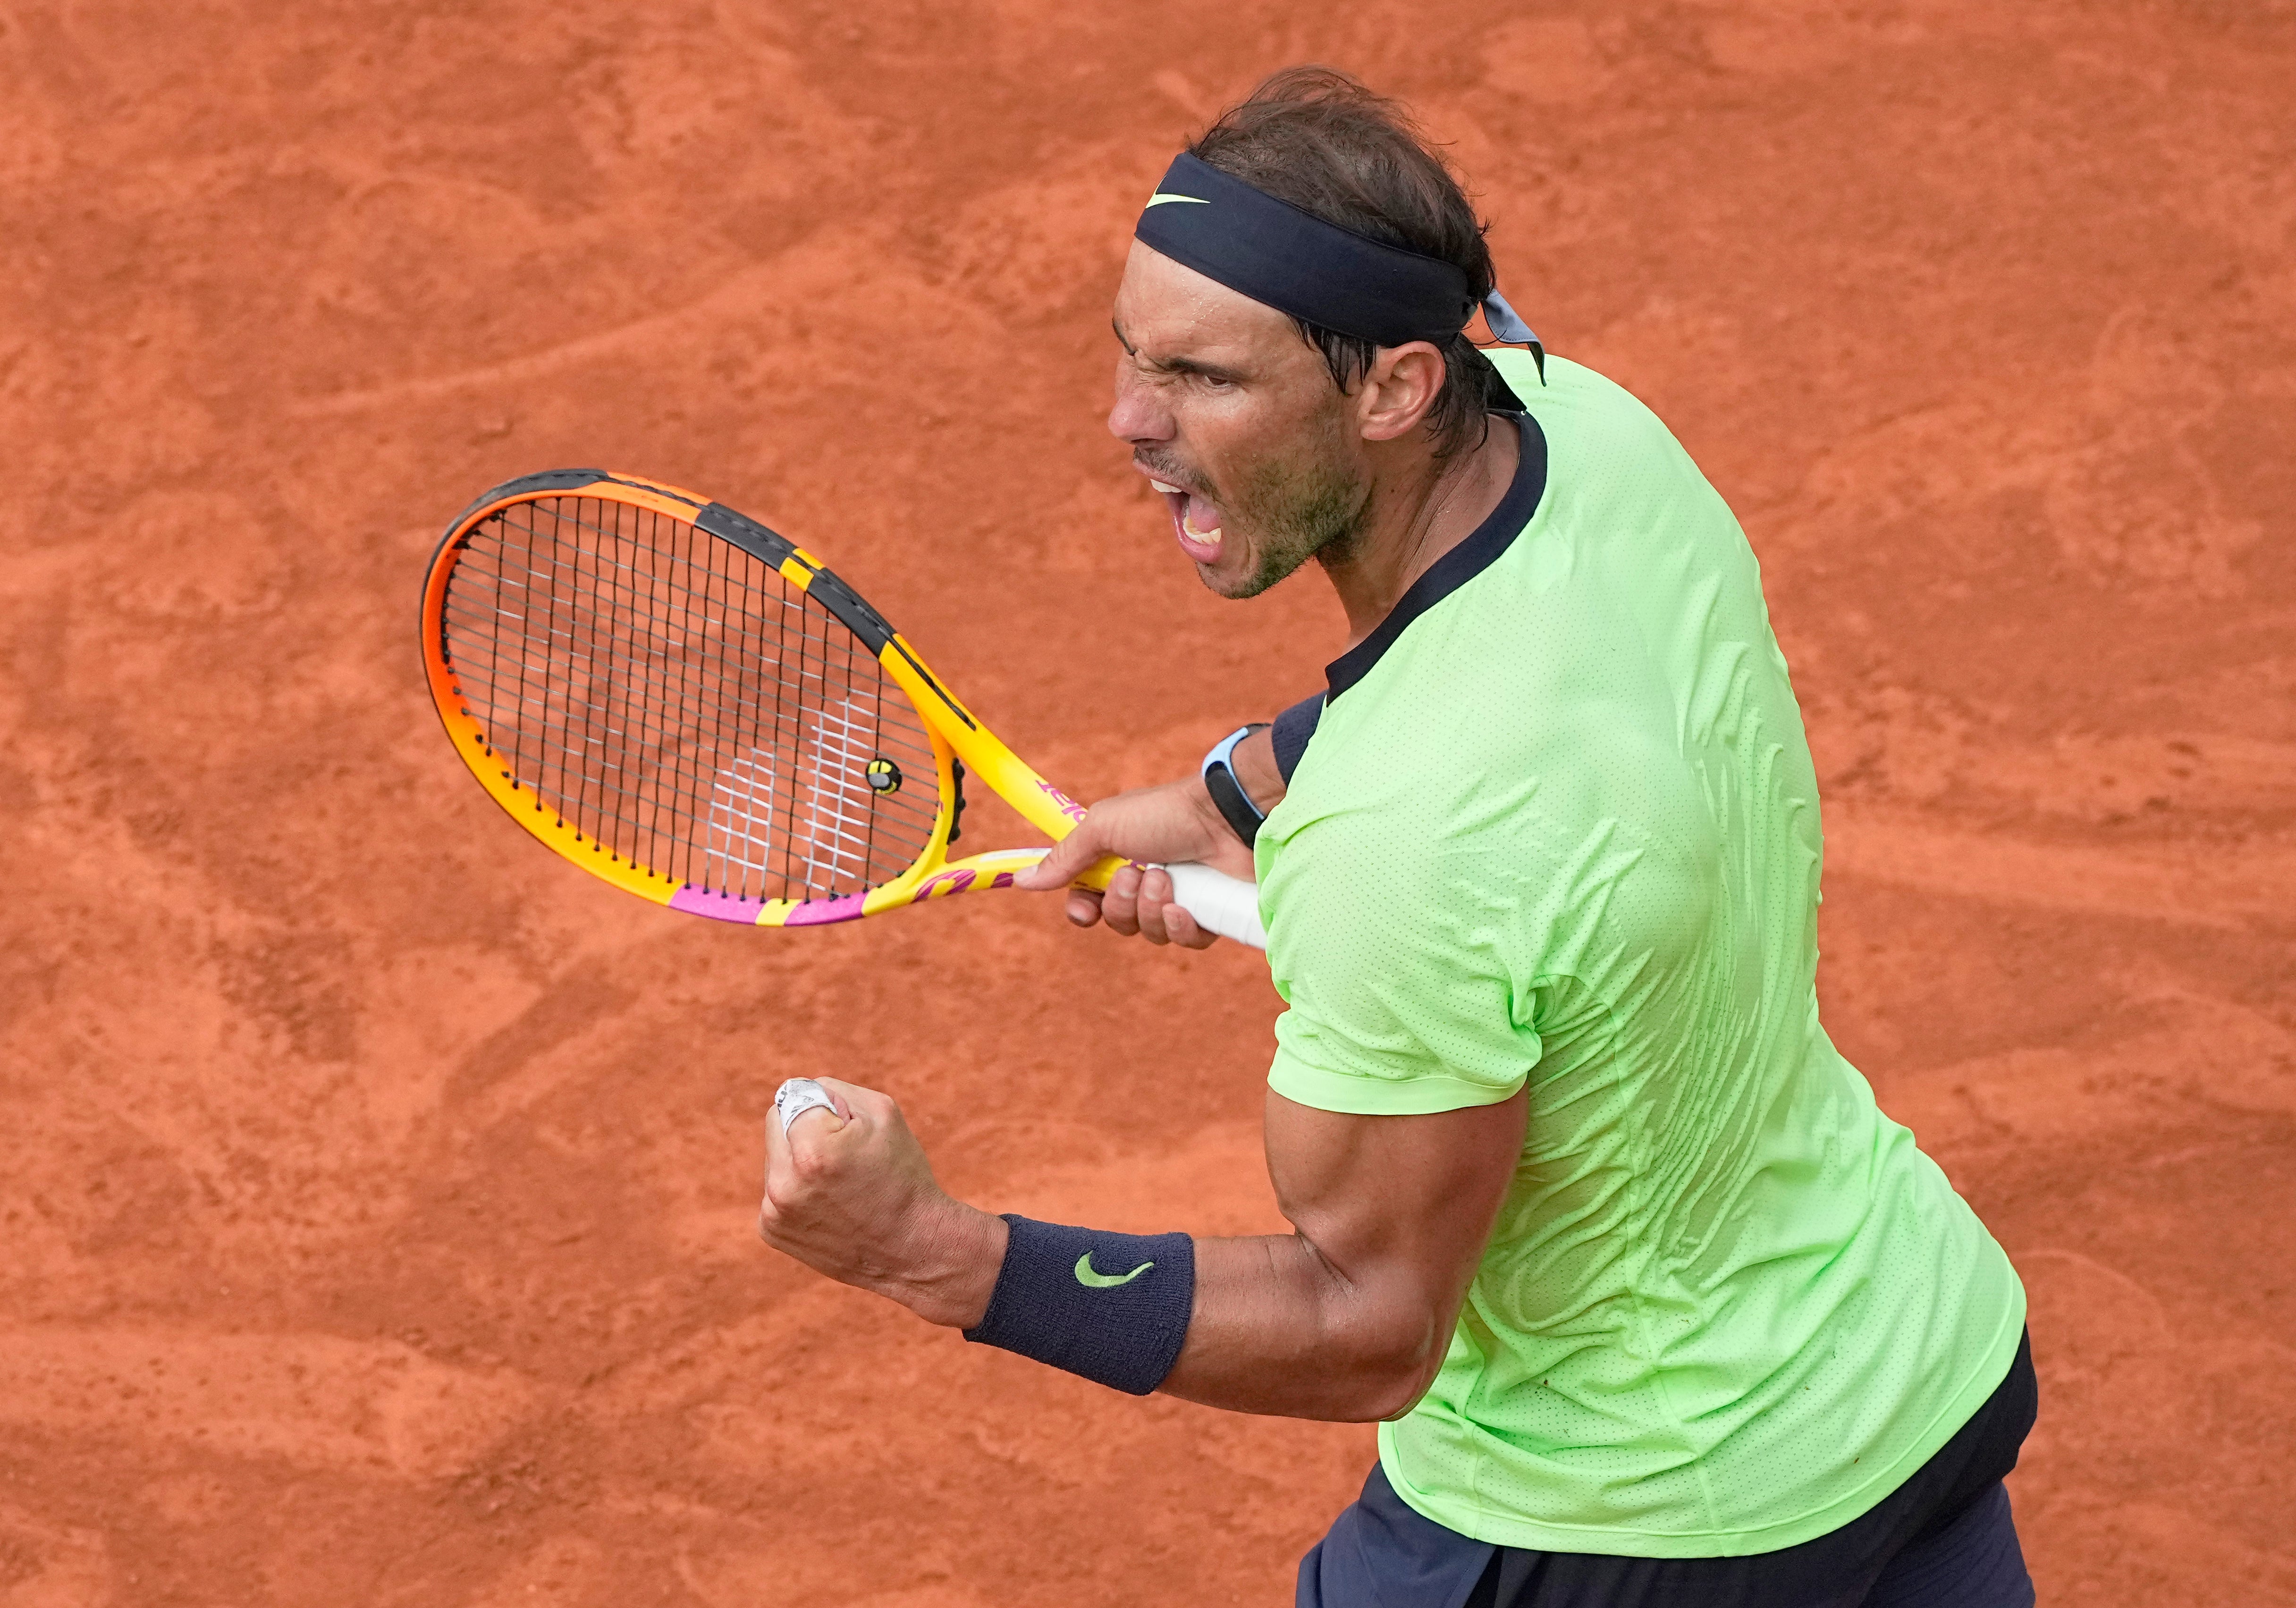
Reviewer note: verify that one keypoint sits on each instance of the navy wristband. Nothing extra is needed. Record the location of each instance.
(1114, 1307)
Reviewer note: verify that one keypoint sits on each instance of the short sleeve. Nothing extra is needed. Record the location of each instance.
(1392, 961)
(1293, 729)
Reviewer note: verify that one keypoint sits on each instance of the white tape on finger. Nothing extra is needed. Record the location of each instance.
(1223, 903)
(799, 1096)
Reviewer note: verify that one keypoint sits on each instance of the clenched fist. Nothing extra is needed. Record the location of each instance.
(849, 1193)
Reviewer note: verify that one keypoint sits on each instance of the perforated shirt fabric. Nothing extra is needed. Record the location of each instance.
(1562, 826)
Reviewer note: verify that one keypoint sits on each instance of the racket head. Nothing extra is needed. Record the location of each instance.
(688, 705)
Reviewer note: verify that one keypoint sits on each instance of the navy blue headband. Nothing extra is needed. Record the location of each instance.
(1295, 262)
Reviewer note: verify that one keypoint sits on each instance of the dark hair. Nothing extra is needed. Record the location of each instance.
(1315, 137)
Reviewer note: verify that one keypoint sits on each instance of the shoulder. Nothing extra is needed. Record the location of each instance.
(1599, 436)
(1390, 944)
(1581, 399)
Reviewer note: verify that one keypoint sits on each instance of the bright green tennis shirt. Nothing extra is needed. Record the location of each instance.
(1557, 821)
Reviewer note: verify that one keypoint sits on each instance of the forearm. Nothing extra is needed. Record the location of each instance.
(1346, 1318)
(1275, 1327)
(1278, 1329)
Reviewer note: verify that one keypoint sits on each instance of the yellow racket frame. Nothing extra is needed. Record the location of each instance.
(957, 734)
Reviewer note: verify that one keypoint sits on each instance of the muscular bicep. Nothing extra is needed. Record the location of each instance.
(1350, 1316)
(1401, 1204)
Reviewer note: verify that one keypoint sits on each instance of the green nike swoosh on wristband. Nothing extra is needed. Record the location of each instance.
(1091, 1280)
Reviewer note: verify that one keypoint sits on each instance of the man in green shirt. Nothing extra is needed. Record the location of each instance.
(1652, 1302)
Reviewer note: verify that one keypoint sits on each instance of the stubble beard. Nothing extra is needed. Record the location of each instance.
(1312, 506)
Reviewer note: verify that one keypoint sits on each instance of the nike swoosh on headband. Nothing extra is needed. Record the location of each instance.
(1091, 1278)
(1290, 260)
(1284, 256)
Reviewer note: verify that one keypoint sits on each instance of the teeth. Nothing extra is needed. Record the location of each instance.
(1211, 537)
(1168, 490)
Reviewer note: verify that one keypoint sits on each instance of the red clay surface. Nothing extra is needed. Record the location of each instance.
(378, 1218)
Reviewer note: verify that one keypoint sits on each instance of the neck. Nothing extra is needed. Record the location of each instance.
(1419, 508)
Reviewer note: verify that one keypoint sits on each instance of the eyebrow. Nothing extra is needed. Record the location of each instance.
(1175, 365)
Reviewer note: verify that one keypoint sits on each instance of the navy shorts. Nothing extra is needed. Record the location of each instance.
(1942, 1540)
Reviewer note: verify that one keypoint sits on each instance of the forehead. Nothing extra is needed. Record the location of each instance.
(1168, 309)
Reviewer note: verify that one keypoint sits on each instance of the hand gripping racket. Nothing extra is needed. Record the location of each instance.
(696, 709)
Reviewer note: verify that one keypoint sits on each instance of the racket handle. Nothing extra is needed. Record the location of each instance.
(1221, 903)
(1225, 905)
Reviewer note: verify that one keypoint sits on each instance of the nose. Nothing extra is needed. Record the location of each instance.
(1139, 415)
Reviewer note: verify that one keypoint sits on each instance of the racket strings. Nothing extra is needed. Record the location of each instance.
(681, 706)
(741, 807)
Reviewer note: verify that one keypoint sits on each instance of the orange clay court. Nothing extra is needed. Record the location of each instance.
(379, 1199)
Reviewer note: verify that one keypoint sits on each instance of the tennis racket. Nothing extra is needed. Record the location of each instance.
(694, 708)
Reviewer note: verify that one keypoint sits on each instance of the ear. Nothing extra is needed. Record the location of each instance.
(1398, 389)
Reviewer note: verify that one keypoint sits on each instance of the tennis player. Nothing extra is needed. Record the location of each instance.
(1652, 1304)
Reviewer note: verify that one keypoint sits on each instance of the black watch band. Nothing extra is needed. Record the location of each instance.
(1235, 806)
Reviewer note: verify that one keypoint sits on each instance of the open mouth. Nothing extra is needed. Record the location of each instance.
(1195, 522)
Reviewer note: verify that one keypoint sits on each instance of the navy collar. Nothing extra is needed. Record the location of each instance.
(1464, 562)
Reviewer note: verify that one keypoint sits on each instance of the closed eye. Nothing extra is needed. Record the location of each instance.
(1211, 375)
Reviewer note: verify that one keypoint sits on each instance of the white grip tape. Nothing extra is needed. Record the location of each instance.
(1223, 903)
(799, 1096)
